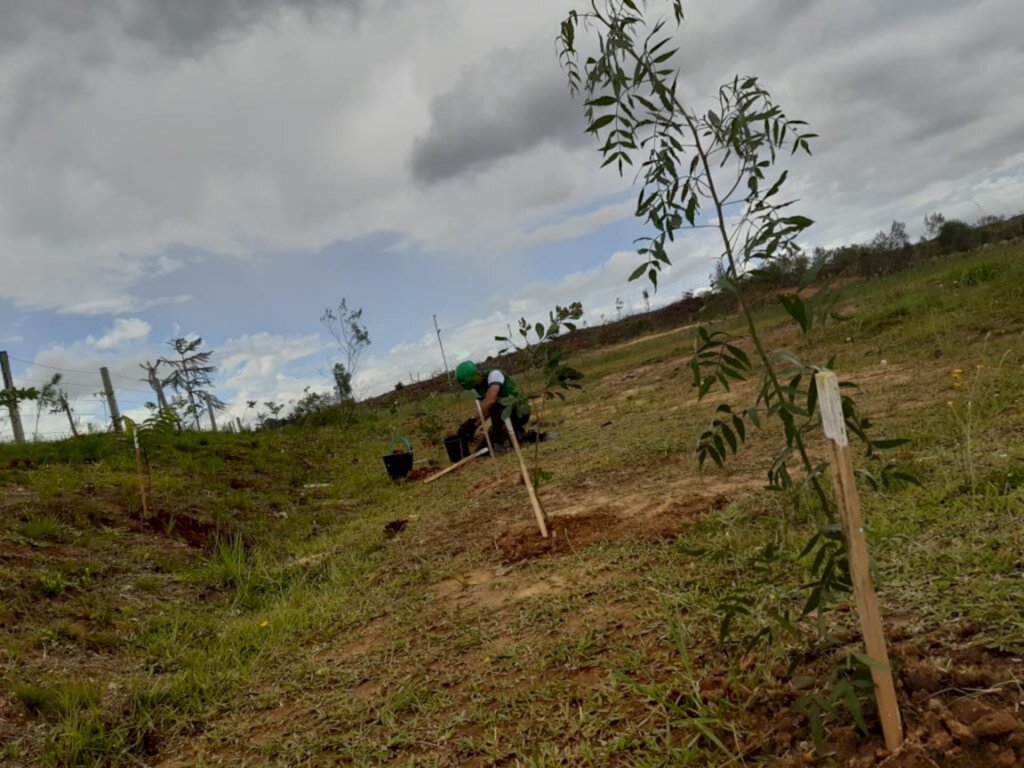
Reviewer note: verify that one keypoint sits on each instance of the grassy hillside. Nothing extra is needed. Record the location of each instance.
(268, 610)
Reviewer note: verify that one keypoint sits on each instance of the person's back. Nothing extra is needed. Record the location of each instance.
(493, 389)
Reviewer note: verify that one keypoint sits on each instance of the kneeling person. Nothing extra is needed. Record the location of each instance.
(490, 388)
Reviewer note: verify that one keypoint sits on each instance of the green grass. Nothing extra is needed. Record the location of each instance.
(290, 630)
(41, 528)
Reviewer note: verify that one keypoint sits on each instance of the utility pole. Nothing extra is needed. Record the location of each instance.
(19, 433)
(444, 359)
(209, 410)
(108, 390)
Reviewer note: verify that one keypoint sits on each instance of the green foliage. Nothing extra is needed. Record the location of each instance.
(237, 569)
(542, 353)
(40, 528)
(56, 699)
(12, 397)
(955, 236)
(346, 327)
(849, 686)
(538, 346)
(716, 169)
(50, 584)
(429, 424)
(192, 374)
(974, 275)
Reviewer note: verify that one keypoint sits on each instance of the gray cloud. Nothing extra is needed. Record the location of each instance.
(174, 27)
(185, 27)
(507, 105)
(240, 127)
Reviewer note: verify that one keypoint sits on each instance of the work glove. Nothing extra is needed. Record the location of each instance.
(468, 428)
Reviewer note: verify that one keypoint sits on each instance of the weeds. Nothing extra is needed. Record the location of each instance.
(41, 528)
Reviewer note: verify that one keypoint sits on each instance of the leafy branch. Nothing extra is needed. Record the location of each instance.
(719, 169)
(536, 343)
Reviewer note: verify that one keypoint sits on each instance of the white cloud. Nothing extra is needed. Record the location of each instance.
(302, 130)
(597, 288)
(573, 226)
(255, 367)
(125, 331)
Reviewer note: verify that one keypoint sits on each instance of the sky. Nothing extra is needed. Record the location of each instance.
(171, 168)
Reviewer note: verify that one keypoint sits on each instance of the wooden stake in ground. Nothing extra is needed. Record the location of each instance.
(538, 510)
(138, 466)
(108, 390)
(853, 529)
(19, 433)
(483, 425)
(456, 465)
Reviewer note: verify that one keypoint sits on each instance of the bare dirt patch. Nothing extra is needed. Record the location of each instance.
(601, 519)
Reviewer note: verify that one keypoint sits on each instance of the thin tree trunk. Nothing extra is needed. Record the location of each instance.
(71, 420)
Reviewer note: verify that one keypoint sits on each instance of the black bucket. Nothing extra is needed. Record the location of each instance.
(398, 463)
(457, 447)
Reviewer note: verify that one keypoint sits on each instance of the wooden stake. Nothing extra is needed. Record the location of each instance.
(455, 466)
(860, 573)
(138, 466)
(538, 510)
(487, 434)
(108, 390)
(19, 433)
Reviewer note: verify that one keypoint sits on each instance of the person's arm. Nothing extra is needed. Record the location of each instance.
(490, 399)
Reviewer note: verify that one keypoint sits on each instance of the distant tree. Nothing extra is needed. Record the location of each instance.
(346, 326)
(342, 382)
(647, 299)
(62, 404)
(898, 236)
(955, 236)
(192, 374)
(153, 377)
(894, 240)
(988, 220)
(47, 400)
(619, 304)
(932, 224)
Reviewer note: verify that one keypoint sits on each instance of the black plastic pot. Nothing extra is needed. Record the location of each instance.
(398, 463)
(457, 447)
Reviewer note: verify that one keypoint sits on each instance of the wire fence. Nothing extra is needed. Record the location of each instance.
(88, 403)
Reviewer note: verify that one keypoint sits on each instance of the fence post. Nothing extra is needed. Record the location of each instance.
(19, 433)
(857, 549)
(108, 390)
(209, 410)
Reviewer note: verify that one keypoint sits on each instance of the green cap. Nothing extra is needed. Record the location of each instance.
(467, 374)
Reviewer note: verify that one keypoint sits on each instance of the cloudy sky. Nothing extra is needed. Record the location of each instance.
(231, 168)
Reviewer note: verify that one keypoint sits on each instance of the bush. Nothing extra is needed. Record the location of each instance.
(956, 236)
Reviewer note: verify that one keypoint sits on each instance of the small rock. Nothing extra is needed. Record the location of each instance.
(923, 677)
(1002, 757)
(503, 570)
(934, 705)
(996, 724)
(960, 732)
(969, 711)
(940, 742)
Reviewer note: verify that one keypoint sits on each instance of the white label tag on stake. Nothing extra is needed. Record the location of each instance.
(831, 405)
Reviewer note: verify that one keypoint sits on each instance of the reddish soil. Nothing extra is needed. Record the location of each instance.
(421, 474)
(568, 533)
